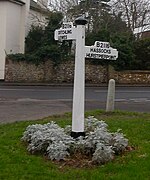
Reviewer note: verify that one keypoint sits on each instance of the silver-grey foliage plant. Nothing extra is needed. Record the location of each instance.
(57, 143)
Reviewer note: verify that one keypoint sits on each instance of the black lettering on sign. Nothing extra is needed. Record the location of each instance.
(99, 50)
(88, 55)
(62, 37)
(61, 32)
(100, 56)
(102, 44)
(65, 26)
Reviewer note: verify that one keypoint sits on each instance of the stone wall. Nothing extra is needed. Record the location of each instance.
(64, 73)
(46, 72)
(132, 77)
(27, 72)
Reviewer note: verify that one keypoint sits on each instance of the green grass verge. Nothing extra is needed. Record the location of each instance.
(17, 164)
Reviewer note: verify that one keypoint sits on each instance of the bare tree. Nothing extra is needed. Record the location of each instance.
(74, 8)
(62, 5)
(135, 12)
(38, 14)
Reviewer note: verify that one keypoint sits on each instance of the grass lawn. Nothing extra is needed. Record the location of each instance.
(17, 164)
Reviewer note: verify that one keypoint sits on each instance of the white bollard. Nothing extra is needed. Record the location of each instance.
(110, 96)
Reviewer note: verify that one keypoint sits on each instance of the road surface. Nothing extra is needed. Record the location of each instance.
(18, 103)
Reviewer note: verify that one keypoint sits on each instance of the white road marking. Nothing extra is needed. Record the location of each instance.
(101, 91)
(133, 100)
(140, 99)
(119, 100)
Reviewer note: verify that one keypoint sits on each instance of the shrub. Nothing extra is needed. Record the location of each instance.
(57, 143)
(142, 54)
(34, 39)
(17, 57)
(103, 154)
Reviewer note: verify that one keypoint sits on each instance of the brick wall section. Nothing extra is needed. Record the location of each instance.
(64, 73)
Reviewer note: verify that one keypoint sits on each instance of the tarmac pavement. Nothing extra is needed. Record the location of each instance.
(27, 108)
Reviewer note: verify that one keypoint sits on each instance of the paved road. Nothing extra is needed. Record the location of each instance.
(19, 103)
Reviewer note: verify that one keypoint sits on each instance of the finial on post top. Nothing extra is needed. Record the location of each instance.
(80, 21)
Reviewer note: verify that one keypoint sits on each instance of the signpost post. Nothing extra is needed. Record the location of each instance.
(100, 50)
(79, 81)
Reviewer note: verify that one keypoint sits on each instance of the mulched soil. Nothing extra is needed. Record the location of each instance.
(79, 160)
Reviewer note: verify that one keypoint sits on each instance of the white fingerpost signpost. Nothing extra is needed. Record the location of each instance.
(100, 50)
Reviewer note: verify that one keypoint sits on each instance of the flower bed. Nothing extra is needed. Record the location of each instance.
(55, 142)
